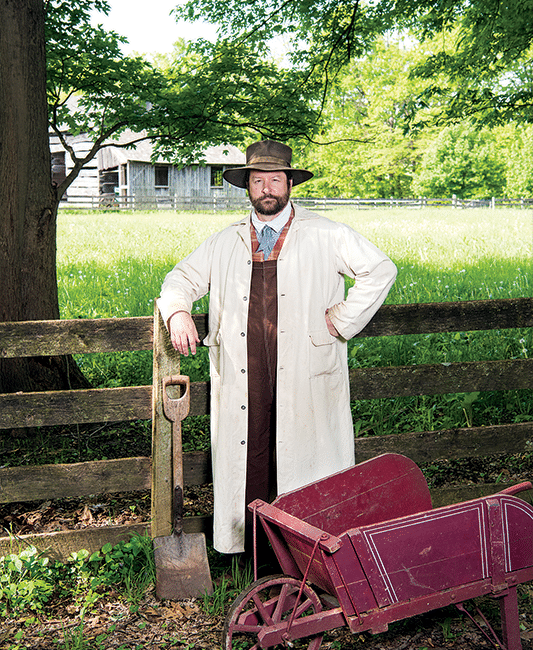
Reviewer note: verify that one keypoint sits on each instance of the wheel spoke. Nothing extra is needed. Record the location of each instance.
(262, 609)
(302, 607)
(280, 605)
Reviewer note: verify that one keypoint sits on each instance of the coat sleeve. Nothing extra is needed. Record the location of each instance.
(374, 274)
(188, 281)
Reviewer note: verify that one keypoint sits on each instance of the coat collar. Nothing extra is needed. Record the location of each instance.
(300, 214)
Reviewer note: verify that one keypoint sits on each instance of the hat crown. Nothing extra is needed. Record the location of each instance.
(270, 152)
(266, 156)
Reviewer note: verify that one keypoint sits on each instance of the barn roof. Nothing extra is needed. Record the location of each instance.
(112, 156)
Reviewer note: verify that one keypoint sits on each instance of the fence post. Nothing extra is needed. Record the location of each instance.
(166, 362)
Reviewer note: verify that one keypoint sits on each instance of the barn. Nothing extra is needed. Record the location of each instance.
(133, 173)
(131, 177)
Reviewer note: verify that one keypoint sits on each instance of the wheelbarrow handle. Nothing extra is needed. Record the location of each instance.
(176, 409)
(515, 489)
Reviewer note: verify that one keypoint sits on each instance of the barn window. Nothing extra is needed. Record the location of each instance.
(216, 176)
(161, 175)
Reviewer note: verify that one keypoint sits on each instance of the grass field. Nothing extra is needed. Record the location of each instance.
(113, 264)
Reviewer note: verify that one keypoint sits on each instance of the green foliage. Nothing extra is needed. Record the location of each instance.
(228, 585)
(208, 93)
(365, 119)
(374, 150)
(29, 581)
(324, 35)
(26, 582)
(485, 55)
(462, 161)
(336, 76)
(481, 67)
(520, 164)
(128, 566)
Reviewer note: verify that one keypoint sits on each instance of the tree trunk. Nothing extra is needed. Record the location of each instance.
(29, 203)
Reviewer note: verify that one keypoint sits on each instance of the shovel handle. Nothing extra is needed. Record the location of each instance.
(176, 409)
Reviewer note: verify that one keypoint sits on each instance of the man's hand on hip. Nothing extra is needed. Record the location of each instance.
(183, 332)
(331, 328)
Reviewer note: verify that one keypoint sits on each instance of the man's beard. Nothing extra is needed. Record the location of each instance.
(267, 210)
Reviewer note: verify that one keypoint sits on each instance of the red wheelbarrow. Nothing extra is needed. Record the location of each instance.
(364, 548)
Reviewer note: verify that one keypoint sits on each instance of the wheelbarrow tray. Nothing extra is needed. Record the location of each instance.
(382, 570)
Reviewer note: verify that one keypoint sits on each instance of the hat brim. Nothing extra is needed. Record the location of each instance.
(237, 175)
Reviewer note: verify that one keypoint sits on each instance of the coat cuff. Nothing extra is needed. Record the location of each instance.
(169, 308)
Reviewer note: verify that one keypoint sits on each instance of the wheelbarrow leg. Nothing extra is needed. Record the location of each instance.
(510, 620)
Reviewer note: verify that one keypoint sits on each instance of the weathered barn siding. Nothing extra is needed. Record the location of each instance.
(138, 178)
(131, 172)
(188, 181)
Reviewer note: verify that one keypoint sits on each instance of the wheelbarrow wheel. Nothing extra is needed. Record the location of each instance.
(267, 602)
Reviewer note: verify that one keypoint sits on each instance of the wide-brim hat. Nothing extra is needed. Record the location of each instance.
(266, 156)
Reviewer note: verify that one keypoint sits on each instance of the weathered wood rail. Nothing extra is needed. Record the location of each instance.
(131, 403)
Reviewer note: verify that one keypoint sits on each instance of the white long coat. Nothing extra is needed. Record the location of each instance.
(314, 434)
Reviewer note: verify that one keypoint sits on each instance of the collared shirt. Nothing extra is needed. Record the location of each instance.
(276, 224)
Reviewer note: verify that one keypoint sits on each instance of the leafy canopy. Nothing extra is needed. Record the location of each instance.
(210, 93)
(485, 45)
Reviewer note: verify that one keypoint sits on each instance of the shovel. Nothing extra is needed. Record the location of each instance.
(182, 567)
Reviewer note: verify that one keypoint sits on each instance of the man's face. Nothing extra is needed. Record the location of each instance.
(269, 193)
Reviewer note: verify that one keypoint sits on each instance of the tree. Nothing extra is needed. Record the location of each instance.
(485, 54)
(463, 161)
(372, 153)
(485, 44)
(216, 93)
(27, 226)
(520, 164)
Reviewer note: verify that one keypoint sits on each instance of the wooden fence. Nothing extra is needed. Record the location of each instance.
(216, 203)
(19, 484)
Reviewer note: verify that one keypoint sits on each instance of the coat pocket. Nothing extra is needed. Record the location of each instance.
(323, 353)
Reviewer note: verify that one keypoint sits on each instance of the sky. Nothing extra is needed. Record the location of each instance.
(148, 25)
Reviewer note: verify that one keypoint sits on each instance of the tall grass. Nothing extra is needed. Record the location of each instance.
(113, 264)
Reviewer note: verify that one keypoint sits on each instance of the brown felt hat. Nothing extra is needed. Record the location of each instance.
(266, 156)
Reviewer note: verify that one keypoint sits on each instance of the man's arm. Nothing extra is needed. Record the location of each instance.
(374, 274)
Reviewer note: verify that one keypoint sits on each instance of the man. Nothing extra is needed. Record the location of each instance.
(278, 325)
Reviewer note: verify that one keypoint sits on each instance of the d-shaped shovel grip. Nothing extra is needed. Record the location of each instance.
(176, 409)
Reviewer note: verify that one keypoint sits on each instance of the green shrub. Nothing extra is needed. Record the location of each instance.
(27, 582)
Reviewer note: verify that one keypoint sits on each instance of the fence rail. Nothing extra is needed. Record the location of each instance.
(218, 203)
(144, 402)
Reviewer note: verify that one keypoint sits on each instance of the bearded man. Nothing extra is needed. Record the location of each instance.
(279, 321)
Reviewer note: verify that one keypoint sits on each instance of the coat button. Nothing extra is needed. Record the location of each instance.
(243, 370)
(243, 442)
(245, 298)
(243, 334)
(243, 407)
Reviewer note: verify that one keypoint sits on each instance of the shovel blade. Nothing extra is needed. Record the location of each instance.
(182, 568)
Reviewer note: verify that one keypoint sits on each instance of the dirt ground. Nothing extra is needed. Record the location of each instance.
(186, 625)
